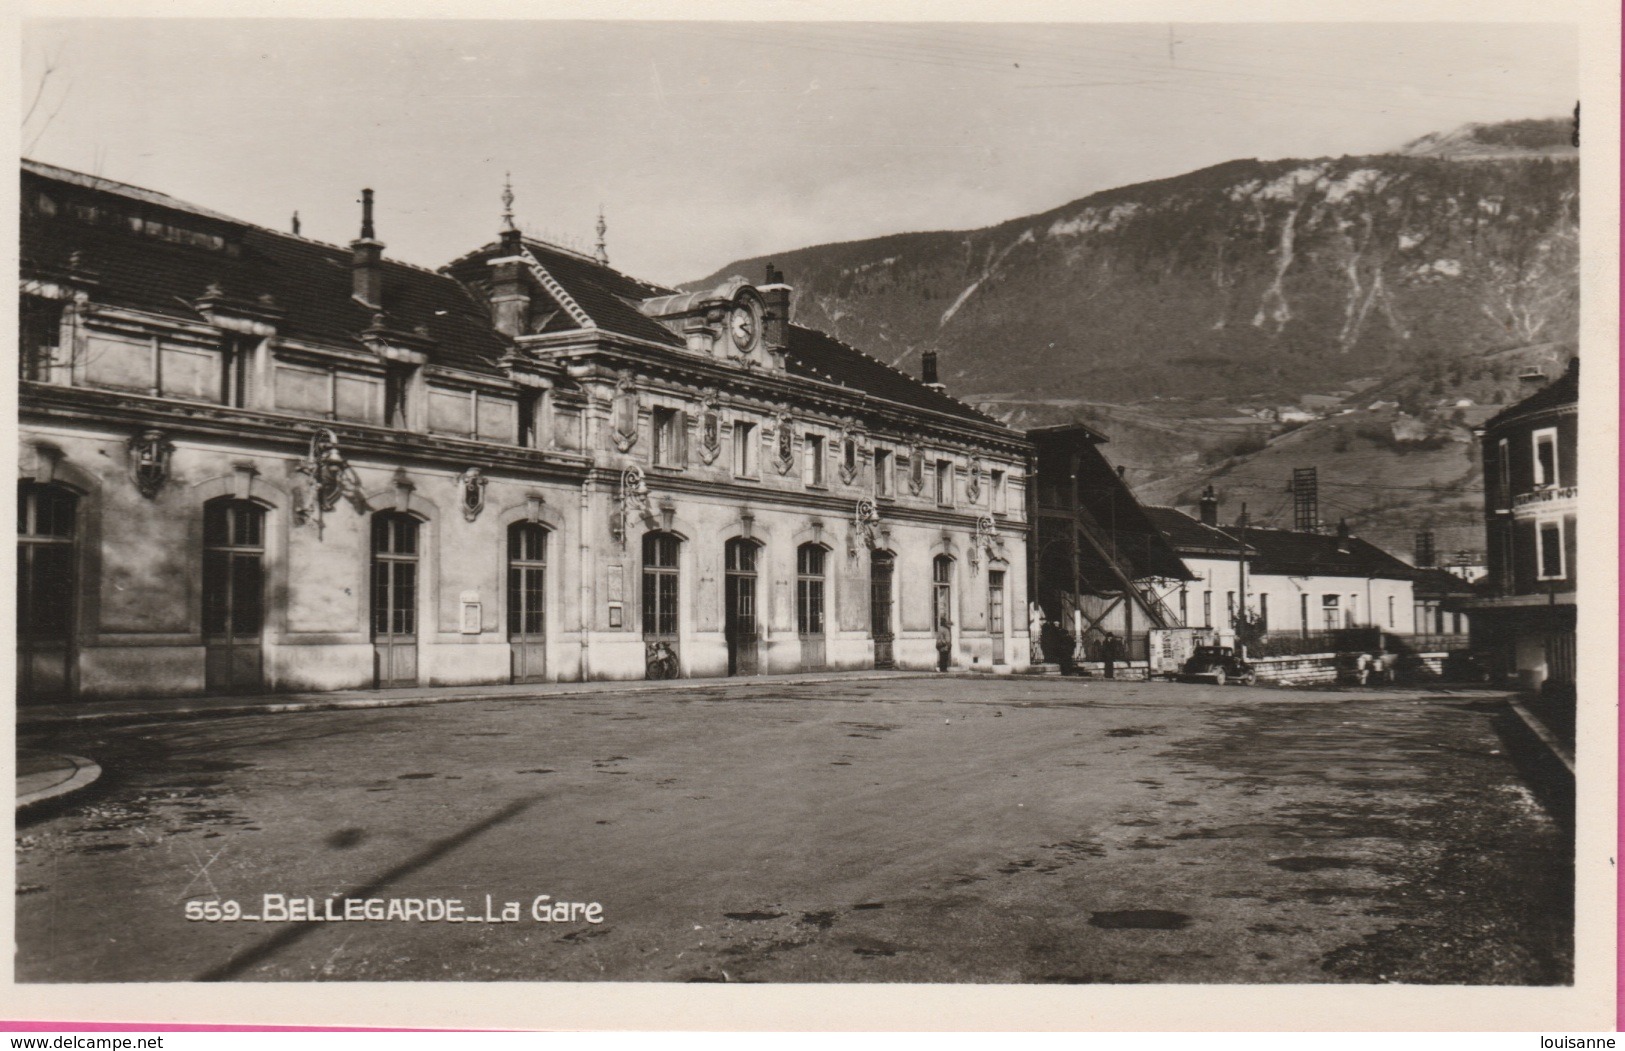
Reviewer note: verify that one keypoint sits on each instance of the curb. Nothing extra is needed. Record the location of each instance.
(1547, 738)
(84, 775)
(203, 710)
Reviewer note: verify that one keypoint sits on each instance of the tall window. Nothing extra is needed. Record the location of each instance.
(1351, 615)
(1331, 612)
(1230, 606)
(745, 449)
(1390, 611)
(40, 325)
(527, 579)
(1207, 609)
(849, 458)
(1184, 612)
(995, 602)
(945, 483)
(812, 464)
(45, 532)
(1545, 457)
(397, 381)
(394, 574)
(235, 354)
(1549, 539)
(1303, 612)
(668, 427)
(883, 472)
(942, 590)
(810, 589)
(1503, 470)
(233, 568)
(1263, 612)
(660, 584)
(529, 404)
(995, 494)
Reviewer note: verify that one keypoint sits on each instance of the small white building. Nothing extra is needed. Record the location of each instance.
(1296, 583)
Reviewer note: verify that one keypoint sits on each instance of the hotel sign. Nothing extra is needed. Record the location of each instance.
(1545, 501)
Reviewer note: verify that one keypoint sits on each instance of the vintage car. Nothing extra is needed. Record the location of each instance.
(1218, 663)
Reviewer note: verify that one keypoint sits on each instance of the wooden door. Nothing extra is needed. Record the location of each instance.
(739, 613)
(233, 596)
(527, 593)
(46, 532)
(880, 608)
(394, 599)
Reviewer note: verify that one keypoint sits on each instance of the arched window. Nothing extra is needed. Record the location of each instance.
(233, 593)
(47, 525)
(395, 596)
(942, 576)
(233, 567)
(527, 578)
(45, 533)
(660, 578)
(810, 589)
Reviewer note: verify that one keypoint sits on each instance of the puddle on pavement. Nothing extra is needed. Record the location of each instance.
(1140, 920)
(413, 777)
(345, 838)
(870, 905)
(753, 917)
(1135, 731)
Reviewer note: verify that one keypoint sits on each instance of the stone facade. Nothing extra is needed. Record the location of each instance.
(251, 461)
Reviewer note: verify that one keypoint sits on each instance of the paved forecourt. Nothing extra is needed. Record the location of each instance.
(955, 829)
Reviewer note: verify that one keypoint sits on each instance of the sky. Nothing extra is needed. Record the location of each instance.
(705, 142)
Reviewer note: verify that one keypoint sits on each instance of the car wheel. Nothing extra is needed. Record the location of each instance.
(1218, 677)
(1249, 679)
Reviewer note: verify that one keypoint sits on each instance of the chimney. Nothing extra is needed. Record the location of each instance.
(1210, 507)
(928, 370)
(510, 295)
(366, 262)
(1342, 536)
(776, 309)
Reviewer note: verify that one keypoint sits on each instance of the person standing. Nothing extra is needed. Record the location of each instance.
(945, 643)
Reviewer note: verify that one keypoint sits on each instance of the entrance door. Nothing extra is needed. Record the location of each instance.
(660, 653)
(739, 613)
(395, 598)
(995, 612)
(527, 591)
(233, 596)
(880, 607)
(46, 517)
(810, 605)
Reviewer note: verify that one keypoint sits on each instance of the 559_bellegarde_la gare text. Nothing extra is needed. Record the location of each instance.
(281, 908)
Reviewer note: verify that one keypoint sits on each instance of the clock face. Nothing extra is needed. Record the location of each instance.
(742, 325)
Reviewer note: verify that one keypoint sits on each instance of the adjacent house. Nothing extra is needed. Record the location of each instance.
(1526, 609)
(1288, 582)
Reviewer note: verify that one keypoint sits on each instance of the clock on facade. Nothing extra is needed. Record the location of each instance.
(742, 324)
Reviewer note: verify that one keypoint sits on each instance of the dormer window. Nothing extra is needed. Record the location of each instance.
(397, 392)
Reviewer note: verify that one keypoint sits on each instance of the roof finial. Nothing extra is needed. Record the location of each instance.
(507, 201)
(602, 253)
(367, 233)
(296, 224)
